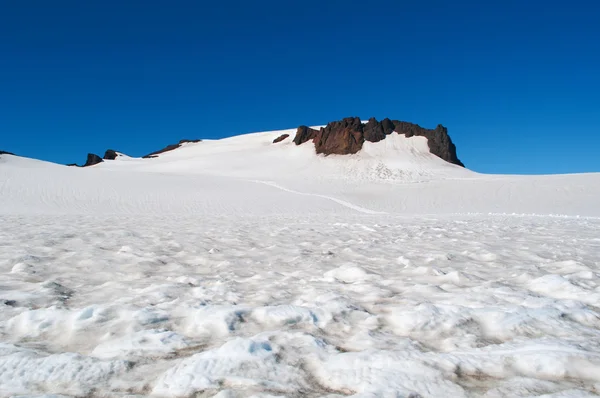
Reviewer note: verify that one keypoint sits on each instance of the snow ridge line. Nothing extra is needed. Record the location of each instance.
(338, 201)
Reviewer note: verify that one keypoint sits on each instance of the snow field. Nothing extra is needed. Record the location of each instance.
(239, 268)
(274, 306)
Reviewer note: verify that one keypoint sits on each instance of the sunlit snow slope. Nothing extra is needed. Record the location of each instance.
(249, 174)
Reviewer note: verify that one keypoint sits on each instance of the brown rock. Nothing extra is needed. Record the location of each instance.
(374, 131)
(280, 138)
(304, 134)
(348, 135)
(341, 138)
(167, 149)
(438, 140)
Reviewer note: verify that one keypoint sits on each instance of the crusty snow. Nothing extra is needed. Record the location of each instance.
(238, 268)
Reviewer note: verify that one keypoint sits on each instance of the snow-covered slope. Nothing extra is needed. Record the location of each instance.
(255, 156)
(248, 174)
(241, 268)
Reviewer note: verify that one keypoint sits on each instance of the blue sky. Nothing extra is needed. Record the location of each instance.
(517, 83)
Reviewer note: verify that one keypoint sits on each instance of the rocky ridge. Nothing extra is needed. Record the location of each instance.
(168, 148)
(342, 137)
(347, 136)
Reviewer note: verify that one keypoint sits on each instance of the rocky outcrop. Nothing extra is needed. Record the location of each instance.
(280, 138)
(348, 135)
(168, 148)
(6, 153)
(92, 159)
(373, 131)
(343, 137)
(438, 140)
(304, 134)
(110, 155)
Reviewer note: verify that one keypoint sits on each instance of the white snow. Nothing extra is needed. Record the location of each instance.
(242, 268)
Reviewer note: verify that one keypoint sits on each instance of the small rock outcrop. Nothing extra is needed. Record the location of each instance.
(168, 148)
(348, 135)
(6, 153)
(110, 155)
(280, 138)
(438, 140)
(92, 159)
(305, 134)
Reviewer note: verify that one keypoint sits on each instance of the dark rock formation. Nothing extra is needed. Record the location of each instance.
(348, 136)
(305, 134)
(438, 140)
(340, 138)
(280, 138)
(6, 153)
(374, 131)
(167, 149)
(388, 126)
(110, 155)
(92, 159)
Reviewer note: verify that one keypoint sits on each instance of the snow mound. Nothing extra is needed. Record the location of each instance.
(25, 371)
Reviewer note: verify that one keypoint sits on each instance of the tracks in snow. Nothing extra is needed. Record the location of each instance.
(336, 200)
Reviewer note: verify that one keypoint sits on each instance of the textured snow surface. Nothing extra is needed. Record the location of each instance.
(371, 306)
(215, 270)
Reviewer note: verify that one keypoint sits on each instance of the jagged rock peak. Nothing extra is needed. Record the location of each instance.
(348, 135)
(110, 155)
(92, 159)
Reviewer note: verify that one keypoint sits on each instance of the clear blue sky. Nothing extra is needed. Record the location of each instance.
(517, 83)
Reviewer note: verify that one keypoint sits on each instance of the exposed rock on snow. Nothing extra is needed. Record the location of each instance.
(110, 155)
(305, 134)
(92, 159)
(343, 137)
(348, 135)
(280, 138)
(169, 148)
(438, 139)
